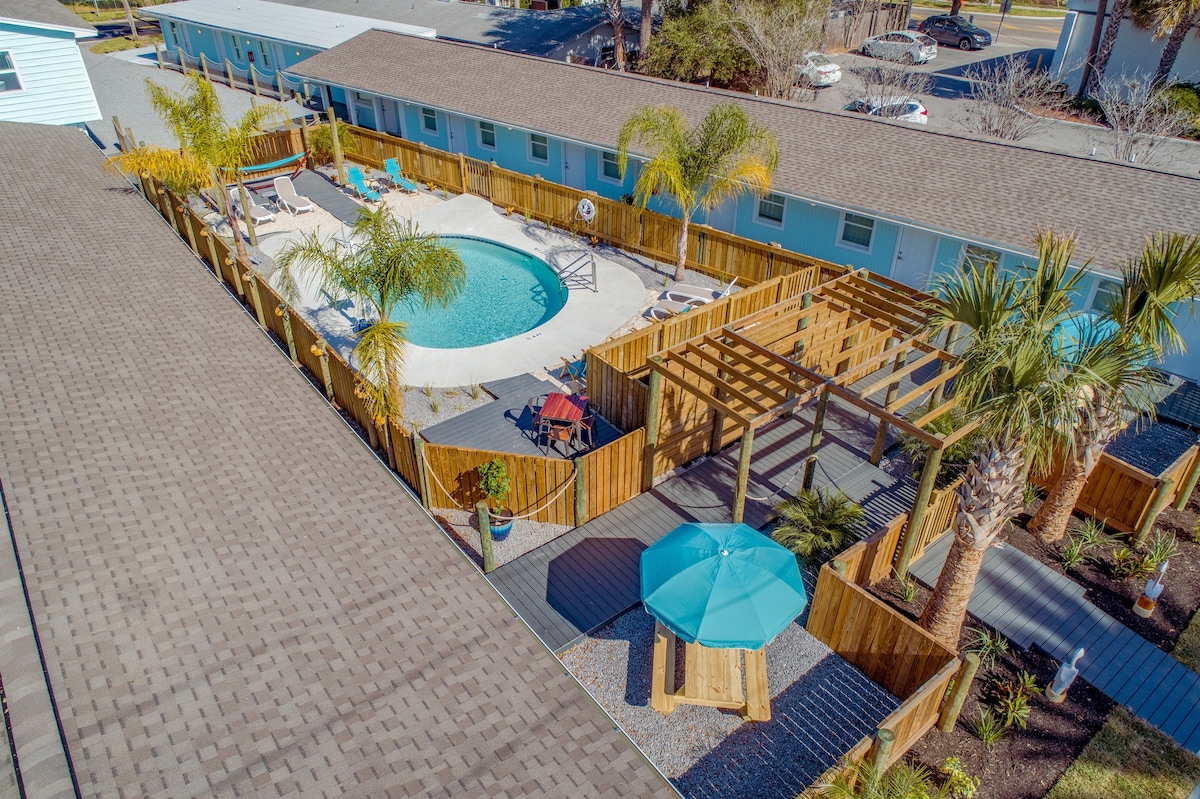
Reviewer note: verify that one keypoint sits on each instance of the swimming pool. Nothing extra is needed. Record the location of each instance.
(507, 292)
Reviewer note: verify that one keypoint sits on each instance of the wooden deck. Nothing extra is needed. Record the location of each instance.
(590, 576)
(1033, 605)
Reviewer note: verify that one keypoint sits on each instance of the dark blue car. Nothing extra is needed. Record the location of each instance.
(955, 31)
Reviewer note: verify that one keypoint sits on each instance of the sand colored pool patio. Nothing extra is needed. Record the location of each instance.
(587, 318)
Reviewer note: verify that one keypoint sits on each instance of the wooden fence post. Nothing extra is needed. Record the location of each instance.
(204, 67)
(1188, 485)
(323, 353)
(814, 443)
(485, 536)
(462, 172)
(184, 213)
(958, 694)
(882, 750)
(255, 298)
(283, 312)
(1158, 501)
(422, 471)
(253, 80)
(916, 519)
(580, 493)
(652, 409)
(743, 475)
(211, 261)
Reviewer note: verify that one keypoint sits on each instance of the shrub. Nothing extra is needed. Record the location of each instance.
(494, 483)
(958, 783)
(817, 522)
(1185, 97)
(321, 143)
(988, 646)
(863, 781)
(989, 729)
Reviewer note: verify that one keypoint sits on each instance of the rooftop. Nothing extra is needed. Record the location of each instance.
(49, 13)
(234, 597)
(882, 168)
(306, 27)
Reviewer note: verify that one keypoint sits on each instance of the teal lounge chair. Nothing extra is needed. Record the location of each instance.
(398, 180)
(359, 184)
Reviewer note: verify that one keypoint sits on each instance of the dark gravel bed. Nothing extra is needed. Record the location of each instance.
(1152, 447)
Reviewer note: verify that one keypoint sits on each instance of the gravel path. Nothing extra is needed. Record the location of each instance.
(526, 535)
(820, 707)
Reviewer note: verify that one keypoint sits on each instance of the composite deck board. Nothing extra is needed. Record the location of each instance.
(589, 576)
(1034, 606)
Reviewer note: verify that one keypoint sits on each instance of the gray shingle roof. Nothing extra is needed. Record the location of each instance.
(49, 12)
(840, 158)
(234, 596)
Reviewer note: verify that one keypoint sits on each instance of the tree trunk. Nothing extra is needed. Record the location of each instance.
(239, 245)
(1085, 77)
(1050, 522)
(1106, 44)
(133, 31)
(681, 258)
(1171, 50)
(955, 7)
(619, 42)
(647, 24)
(947, 608)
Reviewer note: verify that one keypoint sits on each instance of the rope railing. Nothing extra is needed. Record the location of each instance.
(566, 484)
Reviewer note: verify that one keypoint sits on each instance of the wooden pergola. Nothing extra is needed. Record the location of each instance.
(774, 362)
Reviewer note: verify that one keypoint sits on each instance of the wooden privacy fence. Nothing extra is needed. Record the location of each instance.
(1127, 498)
(560, 491)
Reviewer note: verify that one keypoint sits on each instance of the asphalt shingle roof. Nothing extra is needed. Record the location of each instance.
(982, 190)
(48, 12)
(235, 597)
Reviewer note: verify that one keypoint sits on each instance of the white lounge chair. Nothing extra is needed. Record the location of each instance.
(258, 214)
(697, 295)
(287, 197)
(668, 308)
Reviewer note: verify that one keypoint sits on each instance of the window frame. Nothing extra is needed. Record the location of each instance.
(264, 48)
(605, 155)
(771, 221)
(965, 253)
(237, 48)
(479, 130)
(842, 241)
(1097, 292)
(16, 71)
(545, 143)
(428, 114)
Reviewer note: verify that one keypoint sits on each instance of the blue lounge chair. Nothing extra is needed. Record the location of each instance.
(359, 184)
(398, 180)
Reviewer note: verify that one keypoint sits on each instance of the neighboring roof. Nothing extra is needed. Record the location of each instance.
(521, 31)
(887, 169)
(233, 595)
(306, 27)
(47, 13)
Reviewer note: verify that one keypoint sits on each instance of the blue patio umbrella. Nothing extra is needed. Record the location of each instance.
(722, 585)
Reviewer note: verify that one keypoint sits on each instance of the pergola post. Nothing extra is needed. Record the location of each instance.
(327, 99)
(936, 396)
(810, 465)
(652, 408)
(916, 519)
(881, 433)
(743, 475)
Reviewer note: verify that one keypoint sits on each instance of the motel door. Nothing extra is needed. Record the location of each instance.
(573, 171)
(913, 263)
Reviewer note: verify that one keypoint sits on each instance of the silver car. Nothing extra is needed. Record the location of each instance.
(904, 46)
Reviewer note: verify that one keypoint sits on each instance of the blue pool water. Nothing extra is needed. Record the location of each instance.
(507, 292)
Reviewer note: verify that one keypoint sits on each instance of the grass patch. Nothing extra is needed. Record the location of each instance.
(119, 43)
(983, 8)
(1129, 759)
(1187, 648)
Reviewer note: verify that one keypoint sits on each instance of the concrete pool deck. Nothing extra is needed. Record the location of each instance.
(588, 317)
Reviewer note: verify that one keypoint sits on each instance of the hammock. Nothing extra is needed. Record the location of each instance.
(282, 162)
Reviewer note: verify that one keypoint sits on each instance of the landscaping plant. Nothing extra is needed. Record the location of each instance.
(957, 783)
(817, 522)
(494, 483)
(988, 646)
(954, 457)
(988, 728)
(864, 781)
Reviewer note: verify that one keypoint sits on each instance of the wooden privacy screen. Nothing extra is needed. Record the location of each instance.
(535, 480)
(613, 473)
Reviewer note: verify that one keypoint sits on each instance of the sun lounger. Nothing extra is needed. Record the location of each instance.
(697, 295)
(668, 308)
(258, 214)
(289, 199)
(398, 180)
(359, 184)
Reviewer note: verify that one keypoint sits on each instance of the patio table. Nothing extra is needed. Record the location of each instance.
(560, 416)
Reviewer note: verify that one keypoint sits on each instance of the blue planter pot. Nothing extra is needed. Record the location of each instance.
(500, 531)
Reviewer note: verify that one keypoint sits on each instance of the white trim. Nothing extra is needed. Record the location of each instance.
(600, 172)
(767, 221)
(79, 33)
(1095, 289)
(16, 70)
(533, 159)
(840, 241)
(425, 120)
(962, 254)
(479, 123)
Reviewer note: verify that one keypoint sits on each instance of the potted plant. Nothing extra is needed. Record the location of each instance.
(493, 482)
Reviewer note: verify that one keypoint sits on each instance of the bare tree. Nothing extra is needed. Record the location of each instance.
(777, 34)
(887, 84)
(616, 17)
(1008, 99)
(1140, 119)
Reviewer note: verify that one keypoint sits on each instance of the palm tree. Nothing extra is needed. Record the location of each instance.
(725, 155)
(864, 780)
(1137, 327)
(815, 522)
(393, 264)
(1173, 19)
(1021, 388)
(1107, 42)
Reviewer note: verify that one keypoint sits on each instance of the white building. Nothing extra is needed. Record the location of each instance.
(42, 76)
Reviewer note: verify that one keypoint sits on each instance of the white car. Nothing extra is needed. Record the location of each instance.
(818, 71)
(905, 46)
(901, 109)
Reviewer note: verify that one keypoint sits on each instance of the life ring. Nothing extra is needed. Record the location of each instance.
(586, 210)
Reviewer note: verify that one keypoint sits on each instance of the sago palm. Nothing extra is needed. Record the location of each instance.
(864, 781)
(817, 522)
(1136, 328)
(1021, 388)
(726, 154)
(392, 263)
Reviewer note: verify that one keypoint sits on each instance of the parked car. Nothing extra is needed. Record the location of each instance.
(906, 46)
(817, 70)
(955, 31)
(901, 109)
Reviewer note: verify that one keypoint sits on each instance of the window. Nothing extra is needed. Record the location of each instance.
(609, 168)
(487, 135)
(539, 148)
(429, 120)
(770, 209)
(237, 48)
(265, 49)
(10, 81)
(1106, 291)
(857, 230)
(977, 256)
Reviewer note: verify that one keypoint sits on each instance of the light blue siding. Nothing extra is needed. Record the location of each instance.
(55, 89)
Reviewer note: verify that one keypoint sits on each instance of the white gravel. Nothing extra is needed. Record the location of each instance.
(526, 535)
(820, 707)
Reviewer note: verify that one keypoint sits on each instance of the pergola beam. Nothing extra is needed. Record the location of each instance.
(875, 362)
(714, 378)
(925, 388)
(722, 366)
(695, 391)
(845, 295)
(753, 364)
(897, 376)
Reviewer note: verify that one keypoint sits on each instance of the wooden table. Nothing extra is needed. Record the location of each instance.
(560, 416)
(712, 677)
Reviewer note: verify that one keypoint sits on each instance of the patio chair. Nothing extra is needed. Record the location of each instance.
(552, 432)
(398, 180)
(258, 214)
(287, 197)
(586, 429)
(574, 370)
(359, 184)
(668, 308)
(697, 295)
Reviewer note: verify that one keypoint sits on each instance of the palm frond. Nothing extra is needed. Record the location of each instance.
(380, 356)
(1166, 273)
